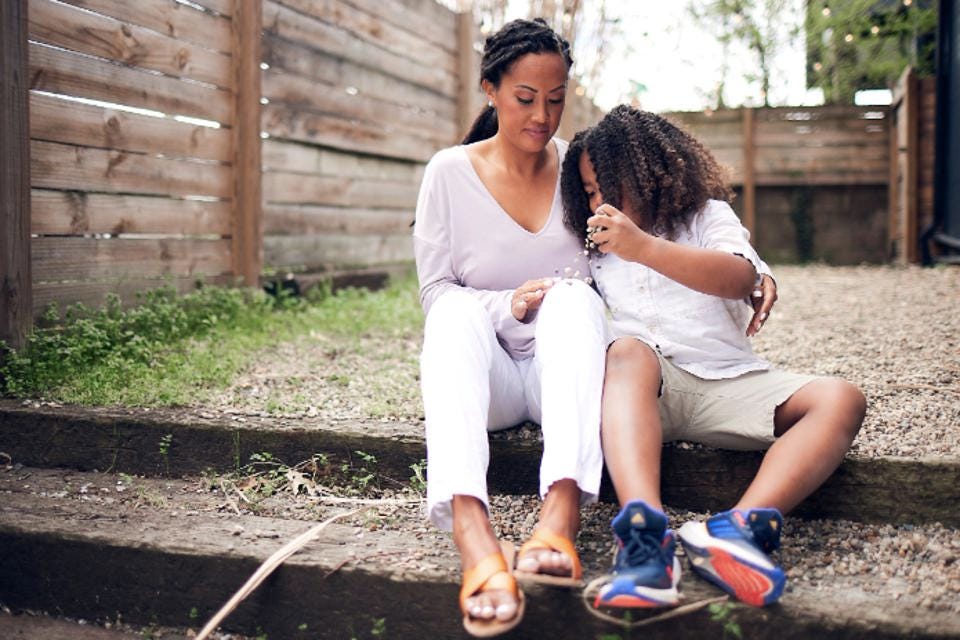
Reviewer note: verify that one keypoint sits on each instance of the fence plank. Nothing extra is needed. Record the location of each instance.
(78, 259)
(15, 268)
(308, 95)
(103, 36)
(307, 189)
(437, 27)
(58, 120)
(340, 133)
(372, 28)
(58, 71)
(293, 157)
(247, 179)
(336, 251)
(94, 294)
(59, 166)
(169, 17)
(306, 220)
(324, 67)
(291, 25)
(78, 213)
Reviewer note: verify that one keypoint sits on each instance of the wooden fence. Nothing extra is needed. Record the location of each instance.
(218, 140)
(795, 146)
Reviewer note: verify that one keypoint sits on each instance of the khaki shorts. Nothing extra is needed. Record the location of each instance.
(734, 413)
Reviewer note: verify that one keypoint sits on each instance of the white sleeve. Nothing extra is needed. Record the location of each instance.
(720, 229)
(433, 255)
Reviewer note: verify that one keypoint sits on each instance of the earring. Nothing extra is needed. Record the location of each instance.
(490, 103)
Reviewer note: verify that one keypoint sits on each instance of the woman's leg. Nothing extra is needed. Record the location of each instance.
(564, 386)
(632, 434)
(815, 427)
(462, 367)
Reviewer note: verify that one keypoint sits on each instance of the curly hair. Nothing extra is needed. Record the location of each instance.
(664, 173)
(514, 40)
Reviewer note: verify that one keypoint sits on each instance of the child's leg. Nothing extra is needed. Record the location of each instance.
(630, 426)
(816, 426)
(645, 572)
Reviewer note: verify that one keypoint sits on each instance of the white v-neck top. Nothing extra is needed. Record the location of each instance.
(463, 238)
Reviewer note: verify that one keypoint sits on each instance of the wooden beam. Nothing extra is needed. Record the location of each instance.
(749, 179)
(247, 246)
(16, 295)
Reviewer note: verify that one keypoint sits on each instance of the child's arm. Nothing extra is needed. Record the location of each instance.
(709, 271)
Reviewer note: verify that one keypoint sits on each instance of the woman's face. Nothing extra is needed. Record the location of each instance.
(529, 100)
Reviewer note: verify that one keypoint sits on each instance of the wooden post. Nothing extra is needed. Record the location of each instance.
(749, 178)
(16, 294)
(908, 148)
(248, 190)
(893, 216)
(468, 95)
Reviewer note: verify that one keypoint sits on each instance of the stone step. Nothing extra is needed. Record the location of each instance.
(892, 490)
(171, 552)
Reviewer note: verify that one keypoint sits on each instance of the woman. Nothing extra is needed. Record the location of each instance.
(489, 239)
(489, 242)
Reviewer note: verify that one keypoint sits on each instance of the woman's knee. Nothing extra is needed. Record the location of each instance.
(570, 298)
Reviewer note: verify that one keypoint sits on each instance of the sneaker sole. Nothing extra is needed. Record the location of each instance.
(645, 597)
(723, 564)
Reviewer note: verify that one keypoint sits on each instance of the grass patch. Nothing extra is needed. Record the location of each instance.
(172, 350)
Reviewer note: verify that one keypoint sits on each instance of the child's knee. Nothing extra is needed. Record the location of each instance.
(632, 355)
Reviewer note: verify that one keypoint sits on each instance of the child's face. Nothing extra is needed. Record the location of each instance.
(591, 187)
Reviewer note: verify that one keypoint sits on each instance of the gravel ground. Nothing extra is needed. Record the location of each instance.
(893, 331)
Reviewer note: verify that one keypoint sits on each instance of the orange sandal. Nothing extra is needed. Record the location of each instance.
(546, 539)
(491, 574)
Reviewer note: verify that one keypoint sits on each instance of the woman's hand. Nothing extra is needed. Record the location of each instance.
(762, 299)
(528, 296)
(614, 232)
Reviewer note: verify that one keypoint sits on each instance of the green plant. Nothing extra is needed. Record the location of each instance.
(165, 442)
(418, 481)
(723, 612)
(379, 627)
(194, 614)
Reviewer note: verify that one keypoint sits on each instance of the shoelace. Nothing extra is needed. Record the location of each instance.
(642, 546)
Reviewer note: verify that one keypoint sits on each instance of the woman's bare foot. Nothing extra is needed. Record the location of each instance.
(561, 515)
(475, 539)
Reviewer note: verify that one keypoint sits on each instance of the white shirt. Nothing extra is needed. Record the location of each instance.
(463, 238)
(701, 333)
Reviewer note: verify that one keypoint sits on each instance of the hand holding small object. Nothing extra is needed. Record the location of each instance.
(528, 296)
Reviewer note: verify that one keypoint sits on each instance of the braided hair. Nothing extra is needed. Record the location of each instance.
(664, 173)
(513, 41)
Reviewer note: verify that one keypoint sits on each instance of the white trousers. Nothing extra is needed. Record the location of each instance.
(471, 385)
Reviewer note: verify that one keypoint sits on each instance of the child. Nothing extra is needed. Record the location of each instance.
(675, 267)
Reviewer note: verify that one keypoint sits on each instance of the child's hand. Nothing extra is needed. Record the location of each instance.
(613, 232)
(762, 303)
(528, 297)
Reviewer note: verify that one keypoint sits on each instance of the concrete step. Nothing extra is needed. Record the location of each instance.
(892, 490)
(172, 551)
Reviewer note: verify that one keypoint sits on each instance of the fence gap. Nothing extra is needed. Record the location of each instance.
(16, 294)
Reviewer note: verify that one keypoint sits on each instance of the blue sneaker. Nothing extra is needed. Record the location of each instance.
(730, 550)
(645, 571)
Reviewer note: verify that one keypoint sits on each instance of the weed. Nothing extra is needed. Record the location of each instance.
(379, 627)
(723, 612)
(194, 614)
(165, 442)
(418, 481)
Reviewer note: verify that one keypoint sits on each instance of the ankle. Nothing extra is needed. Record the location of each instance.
(561, 509)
